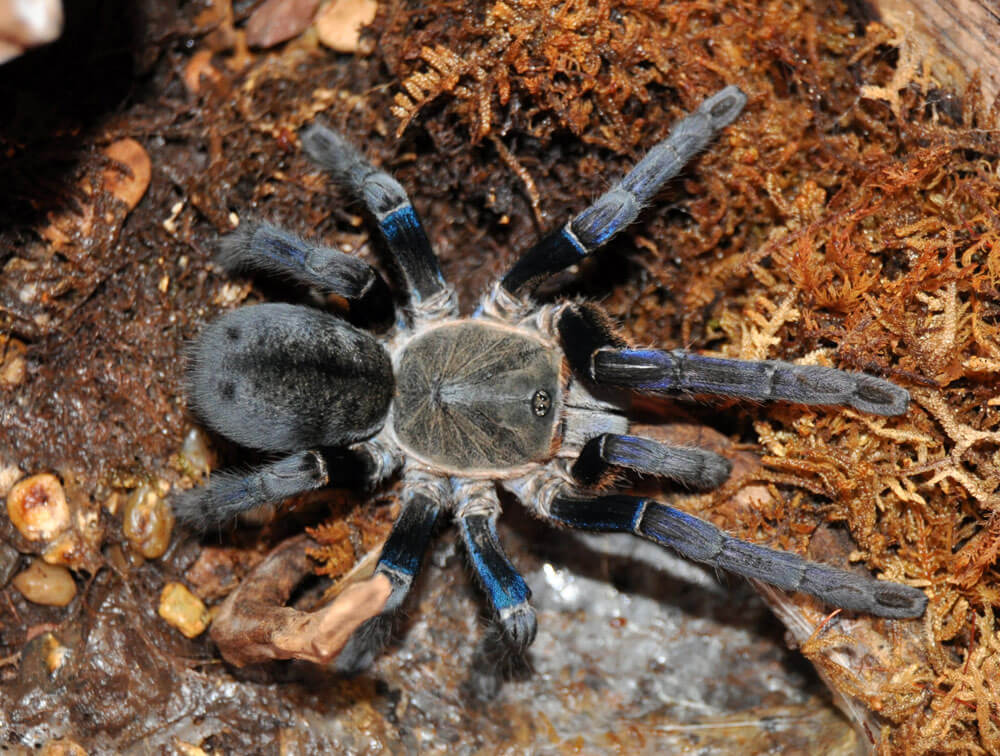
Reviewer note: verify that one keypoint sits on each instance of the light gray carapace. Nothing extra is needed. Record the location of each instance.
(531, 397)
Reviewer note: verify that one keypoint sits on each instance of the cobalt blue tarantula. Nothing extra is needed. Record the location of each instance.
(527, 396)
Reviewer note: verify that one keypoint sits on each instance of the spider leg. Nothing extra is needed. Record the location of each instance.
(703, 542)
(386, 199)
(602, 454)
(228, 494)
(269, 249)
(680, 371)
(620, 206)
(477, 510)
(400, 562)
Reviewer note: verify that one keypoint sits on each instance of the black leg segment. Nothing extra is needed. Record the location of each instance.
(703, 542)
(620, 206)
(269, 249)
(683, 372)
(555, 252)
(385, 199)
(400, 562)
(602, 455)
(228, 494)
(583, 329)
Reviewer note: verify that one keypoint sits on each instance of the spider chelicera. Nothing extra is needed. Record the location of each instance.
(530, 397)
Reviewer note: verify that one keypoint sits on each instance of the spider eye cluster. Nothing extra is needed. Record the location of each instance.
(541, 403)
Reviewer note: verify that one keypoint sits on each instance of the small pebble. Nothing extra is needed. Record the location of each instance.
(147, 522)
(9, 475)
(339, 22)
(9, 559)
(195, 458)
(277, 21)
(55, 653)
(13, 367)
(68, 550)
(189, 749)
(183, 610)
(45, 584)
(37, 507)
(27, 23)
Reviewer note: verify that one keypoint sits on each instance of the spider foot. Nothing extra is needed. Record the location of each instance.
(495, 662)
(519, 626)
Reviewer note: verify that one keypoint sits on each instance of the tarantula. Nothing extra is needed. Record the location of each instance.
(531, 397)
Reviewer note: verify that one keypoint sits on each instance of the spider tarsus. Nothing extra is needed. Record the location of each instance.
(381, 193)
(860, 592)
(495, 661)
(724, 106)
(880, 397)
(331, 151)
(899, 601)
(715, 470)
(232, 250)
(519, 627)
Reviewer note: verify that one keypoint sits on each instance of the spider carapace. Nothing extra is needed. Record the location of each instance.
(478, 399)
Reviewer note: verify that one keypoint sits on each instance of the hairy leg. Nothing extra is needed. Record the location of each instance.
(400, 563)
(386, 200)
(617, 208)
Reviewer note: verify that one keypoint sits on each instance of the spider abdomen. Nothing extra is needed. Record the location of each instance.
(474, 397)
(279, 377)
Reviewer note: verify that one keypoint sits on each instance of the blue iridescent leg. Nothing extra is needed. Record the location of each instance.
(477, 510)
(683, 372)
(604, 454)
(400, 562)
(620, 206)
(387, 201)
(703, 542)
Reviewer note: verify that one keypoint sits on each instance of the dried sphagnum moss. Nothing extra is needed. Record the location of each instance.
(855, 231)
(555, 65)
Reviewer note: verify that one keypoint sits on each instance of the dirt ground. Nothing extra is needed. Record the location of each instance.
(849, 218)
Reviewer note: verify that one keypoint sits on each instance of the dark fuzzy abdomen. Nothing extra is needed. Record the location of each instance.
(278, 377)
